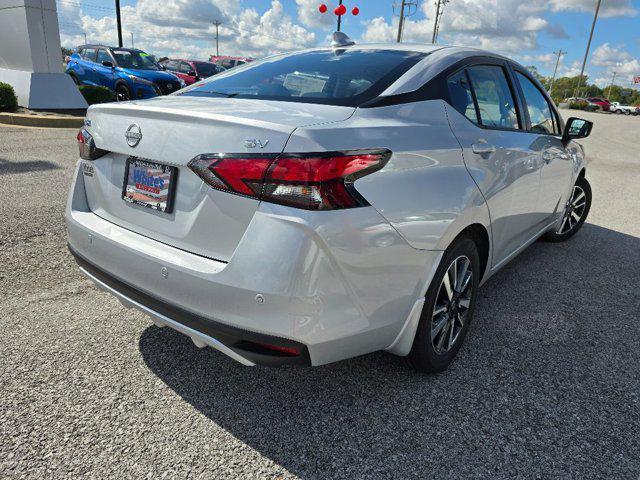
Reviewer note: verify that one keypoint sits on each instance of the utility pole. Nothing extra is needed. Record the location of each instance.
(132, 45)
(586, 54)
(559, 53)
(85, 38)
(613, 79)
(435, 23)
(339, 17)
(217, 23)
(407, 8)
(401, 23)
(119, 21)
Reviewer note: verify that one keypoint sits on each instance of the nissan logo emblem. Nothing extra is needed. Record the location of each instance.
(133, 135)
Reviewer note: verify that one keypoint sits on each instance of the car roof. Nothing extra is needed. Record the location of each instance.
(97, 45)
(438, 57)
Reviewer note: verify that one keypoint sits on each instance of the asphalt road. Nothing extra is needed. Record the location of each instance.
(547, 385)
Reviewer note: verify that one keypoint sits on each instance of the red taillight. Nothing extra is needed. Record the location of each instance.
(87, 147)
(317, 181)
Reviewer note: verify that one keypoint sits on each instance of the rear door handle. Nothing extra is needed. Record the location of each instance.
(482, 148)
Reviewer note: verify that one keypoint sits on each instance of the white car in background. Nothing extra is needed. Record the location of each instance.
(618, 108)
(318, 205)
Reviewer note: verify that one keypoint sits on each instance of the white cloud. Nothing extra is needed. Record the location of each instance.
(310, 16)
(184, 28)
(609, 8)
(616, 59)
(501, 25)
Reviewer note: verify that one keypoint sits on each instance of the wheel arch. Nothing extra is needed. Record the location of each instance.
(480, 236)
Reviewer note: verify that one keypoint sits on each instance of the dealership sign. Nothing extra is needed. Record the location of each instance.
(636, 80)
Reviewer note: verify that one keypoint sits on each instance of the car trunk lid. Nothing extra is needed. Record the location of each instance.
(173, 131)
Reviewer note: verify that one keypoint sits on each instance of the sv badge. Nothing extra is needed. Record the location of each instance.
(254, 143)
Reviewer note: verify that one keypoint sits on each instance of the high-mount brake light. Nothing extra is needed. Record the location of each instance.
(313, 181)
(87, 147)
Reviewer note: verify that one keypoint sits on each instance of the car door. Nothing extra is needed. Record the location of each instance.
(545, 133)
(184, 69)
(105, 76)
(86, 72)
(496, 151)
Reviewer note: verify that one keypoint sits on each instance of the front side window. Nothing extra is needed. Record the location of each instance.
(540, 113)
(185, 68)
(135, 59)
(336, 77)
(103, 56)
(496, 105)
(461, 96)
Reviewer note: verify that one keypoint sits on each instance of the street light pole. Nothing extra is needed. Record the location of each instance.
(586, 54)
(401, 23)
(613, 79)
(119, 22)
(217, 24)
(132, 44)
(559, 53)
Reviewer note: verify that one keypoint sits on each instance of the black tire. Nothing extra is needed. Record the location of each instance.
(75, 79)
(618, 112)
(123, 94)
(563, 233)
(424, 355)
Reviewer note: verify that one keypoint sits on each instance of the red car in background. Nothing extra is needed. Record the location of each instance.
(191, 70)
(602, 102)
(229, 62)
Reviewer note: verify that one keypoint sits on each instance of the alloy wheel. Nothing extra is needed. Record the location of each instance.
(122, 94)
(574, 211)
(452, 305)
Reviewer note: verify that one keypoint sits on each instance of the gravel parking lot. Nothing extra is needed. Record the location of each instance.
(547, 385)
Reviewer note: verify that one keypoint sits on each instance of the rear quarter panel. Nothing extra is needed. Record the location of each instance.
(425, 190)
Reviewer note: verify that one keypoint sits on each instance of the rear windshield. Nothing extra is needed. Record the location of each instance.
(206, 69)
(333, 77)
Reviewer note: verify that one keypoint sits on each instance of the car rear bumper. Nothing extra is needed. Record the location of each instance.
(241, 345)
(332, 290)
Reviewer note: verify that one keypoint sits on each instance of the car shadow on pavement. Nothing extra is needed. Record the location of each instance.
(545, 385)
(8, 167)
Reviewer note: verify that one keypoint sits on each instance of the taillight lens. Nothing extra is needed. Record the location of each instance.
(315, 181)
(87, 147)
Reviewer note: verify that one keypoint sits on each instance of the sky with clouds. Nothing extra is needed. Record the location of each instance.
(529, 31)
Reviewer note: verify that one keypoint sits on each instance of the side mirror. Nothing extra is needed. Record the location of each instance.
(192, 73)
(576, 128)
(164, 67)
(107, 64)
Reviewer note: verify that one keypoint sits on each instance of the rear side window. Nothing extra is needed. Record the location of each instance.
(540, 112)
(496, 105)
(461, 96)
(348, 77)
(89, 54)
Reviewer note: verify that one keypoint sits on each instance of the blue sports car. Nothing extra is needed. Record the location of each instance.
(129, 72)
